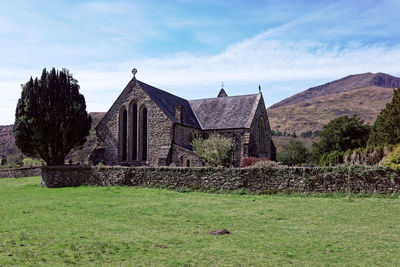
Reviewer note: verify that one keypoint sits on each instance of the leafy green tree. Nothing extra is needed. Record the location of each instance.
(293, 153)
(340, 134)
(214, 151)
(392, 160)
(386, 129)
(51, 117)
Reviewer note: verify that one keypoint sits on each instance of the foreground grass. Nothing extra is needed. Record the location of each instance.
(142, 227)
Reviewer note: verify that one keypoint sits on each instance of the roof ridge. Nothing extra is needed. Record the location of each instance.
(225, 97)
(163, 91)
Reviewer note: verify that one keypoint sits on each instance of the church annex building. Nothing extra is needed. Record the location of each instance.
(147, 126)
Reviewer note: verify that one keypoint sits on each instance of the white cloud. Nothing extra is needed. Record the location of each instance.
(250, 62)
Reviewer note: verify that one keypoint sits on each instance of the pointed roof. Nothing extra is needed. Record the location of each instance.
(222, 93)
(229, 112)
(167, 103)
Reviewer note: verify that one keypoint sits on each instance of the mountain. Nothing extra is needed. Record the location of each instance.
(8, 147)
(348, 83)
(361, 94)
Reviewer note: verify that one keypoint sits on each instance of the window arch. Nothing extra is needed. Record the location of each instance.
(143, 133)
(123, 132)
(261, 135)
(134, 130)
(188, 163)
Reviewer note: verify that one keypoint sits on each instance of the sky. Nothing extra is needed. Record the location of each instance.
(189, 48)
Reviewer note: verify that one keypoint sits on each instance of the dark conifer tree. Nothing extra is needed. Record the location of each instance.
(51, 117)
(386, 129)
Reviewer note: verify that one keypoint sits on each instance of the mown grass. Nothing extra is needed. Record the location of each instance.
(126, 226)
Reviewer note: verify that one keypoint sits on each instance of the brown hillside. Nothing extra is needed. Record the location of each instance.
(314, 113)
(342, 85)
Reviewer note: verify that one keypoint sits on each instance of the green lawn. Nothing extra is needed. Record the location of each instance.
(141, 227)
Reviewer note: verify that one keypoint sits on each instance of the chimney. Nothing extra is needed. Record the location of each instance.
(179, 110)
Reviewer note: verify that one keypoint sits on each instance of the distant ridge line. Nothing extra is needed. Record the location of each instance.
(347, 83)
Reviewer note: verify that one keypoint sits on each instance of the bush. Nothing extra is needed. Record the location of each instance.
(293, 153)
(331, 159)
(32, 162)
(264, 164)
(250, 161)
(214, 151)
(392, 160)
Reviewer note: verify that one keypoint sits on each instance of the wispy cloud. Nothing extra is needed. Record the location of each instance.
(190, 47)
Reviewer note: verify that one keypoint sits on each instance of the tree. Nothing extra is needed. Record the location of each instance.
(293, 153)
(341, 134)
(214, 151)
(51, 117)
(386, 129)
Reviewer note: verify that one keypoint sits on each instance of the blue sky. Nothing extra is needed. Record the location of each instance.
(189, 47)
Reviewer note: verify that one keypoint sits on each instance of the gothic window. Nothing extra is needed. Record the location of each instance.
(188, 163)
(143, 137)
(134, 131)
(123, 129)
(261, 134)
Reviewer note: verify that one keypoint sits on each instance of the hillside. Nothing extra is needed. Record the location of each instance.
(348, 83)
(363, 94)
(8, 147)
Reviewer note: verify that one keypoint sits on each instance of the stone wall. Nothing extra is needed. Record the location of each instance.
(159, 127)
(20, 172)
(265, 180)
(254, 149)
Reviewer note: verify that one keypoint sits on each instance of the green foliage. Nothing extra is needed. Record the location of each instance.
(332, 159)
(15, 160)
(214, 151)
(293, 153)
(51, 117)
(341, 134)
(32, 162)
(392, 160)
(386, 129)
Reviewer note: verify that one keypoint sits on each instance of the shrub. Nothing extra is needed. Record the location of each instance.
(293, 153)
(392, 160)
(32, 162)
(331, 159)
(250, 161)
(214, 151)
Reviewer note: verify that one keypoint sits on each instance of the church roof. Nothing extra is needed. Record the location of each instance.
(228, 112)
(167, 103)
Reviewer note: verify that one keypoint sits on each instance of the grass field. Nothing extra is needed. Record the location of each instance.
(125, 226)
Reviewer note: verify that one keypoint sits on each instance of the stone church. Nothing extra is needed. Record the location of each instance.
(147, 126)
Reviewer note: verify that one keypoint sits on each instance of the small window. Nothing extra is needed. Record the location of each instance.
(188, 163)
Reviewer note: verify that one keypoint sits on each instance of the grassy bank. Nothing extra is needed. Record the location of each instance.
(142, 227)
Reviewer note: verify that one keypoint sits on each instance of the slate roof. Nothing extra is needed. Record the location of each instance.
(167, 102)
(230, 112)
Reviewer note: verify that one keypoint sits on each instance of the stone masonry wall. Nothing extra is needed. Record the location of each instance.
(264, 180)
(20, 172)
(254, 132)
(159, 127)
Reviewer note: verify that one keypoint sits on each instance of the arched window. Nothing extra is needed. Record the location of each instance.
(134, 130)
(143, 133)
(261, 134)
(123, 131)
(188, 163)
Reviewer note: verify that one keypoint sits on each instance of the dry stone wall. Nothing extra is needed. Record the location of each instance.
(20, 172)
(265, 180)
